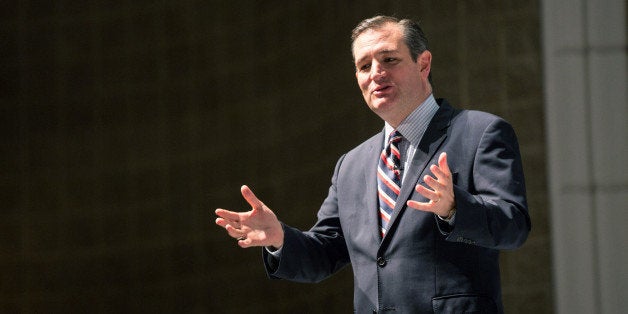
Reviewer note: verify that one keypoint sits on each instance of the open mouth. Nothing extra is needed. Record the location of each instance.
(381, 90)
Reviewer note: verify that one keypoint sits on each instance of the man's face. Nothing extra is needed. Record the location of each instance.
(392, 84)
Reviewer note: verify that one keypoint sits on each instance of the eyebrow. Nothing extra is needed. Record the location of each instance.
(379, 53)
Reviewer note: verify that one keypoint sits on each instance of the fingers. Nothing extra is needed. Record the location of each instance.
(442, 174)
(235, 232)
(251, 228)
(231, 225)
(442, 163)
(441, 171)
(437, 189)
(241, 235)
(230, 221)
(434, 184)
(430, 194)
(250, 198)
(434, 203)
(245, 242)
(424, 206)
(227, 214)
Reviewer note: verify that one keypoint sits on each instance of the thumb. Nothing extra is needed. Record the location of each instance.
(250, 198)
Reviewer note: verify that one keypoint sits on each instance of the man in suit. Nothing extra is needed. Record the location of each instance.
(421, 209)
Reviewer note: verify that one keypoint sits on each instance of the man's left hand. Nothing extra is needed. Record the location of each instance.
(439, 190)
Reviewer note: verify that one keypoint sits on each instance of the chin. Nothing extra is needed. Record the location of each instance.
(382, 106)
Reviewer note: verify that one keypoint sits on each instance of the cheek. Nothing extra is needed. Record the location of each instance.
(363, 84)
(364, 89)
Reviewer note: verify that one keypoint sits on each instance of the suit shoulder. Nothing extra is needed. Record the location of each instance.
(374, 141)
(478, 115)
(480, 119)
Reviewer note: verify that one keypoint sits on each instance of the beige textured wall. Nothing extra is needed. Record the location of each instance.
(124, 125)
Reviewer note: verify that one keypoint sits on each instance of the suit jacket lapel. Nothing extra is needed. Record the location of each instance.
(429, 145)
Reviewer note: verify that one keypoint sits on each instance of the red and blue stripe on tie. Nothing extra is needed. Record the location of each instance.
(388, 179)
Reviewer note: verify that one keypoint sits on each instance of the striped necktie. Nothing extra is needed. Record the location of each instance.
(388, 179)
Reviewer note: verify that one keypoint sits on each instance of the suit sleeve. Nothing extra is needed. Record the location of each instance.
(313, 255)
(493, 212)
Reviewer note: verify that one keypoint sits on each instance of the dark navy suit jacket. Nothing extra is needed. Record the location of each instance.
(422, 265)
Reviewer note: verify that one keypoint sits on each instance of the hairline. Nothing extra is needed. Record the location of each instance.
(409, 29)
(378, 23)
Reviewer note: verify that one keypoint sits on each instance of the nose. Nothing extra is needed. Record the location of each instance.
(377, 71)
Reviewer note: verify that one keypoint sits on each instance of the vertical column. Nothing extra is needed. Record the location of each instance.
(609, 116)
(586, 113)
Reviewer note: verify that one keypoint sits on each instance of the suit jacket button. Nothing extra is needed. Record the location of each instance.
(381, 262)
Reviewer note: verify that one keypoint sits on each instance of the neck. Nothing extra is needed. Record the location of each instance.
(397, 120)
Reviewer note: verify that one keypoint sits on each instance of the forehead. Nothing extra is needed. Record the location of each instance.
(384, 39)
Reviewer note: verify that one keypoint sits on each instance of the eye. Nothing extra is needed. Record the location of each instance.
(365, 67)
(390, 59)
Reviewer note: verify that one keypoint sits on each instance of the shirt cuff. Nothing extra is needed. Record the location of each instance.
(276, 253)
(449, 220)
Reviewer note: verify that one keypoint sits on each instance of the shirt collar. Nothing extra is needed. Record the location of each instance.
(414, 125)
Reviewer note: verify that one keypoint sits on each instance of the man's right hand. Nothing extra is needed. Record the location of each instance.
(257, 227)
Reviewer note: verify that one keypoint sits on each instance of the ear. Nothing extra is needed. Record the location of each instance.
(425, 63)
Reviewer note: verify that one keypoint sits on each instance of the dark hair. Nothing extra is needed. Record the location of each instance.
(413, 35)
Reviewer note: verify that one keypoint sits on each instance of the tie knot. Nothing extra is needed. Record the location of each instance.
(391, 154)
(395, 137)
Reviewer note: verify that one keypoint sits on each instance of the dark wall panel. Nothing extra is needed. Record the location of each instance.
(124, 125)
